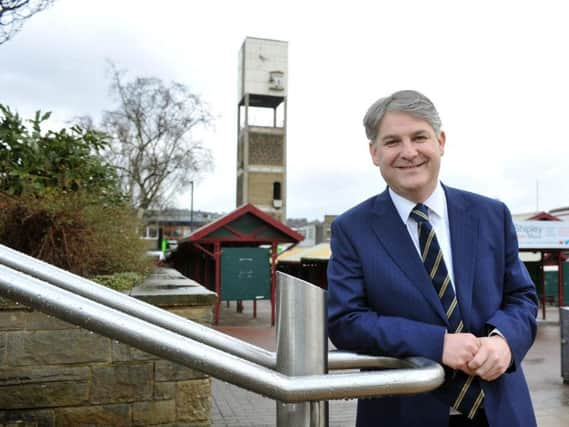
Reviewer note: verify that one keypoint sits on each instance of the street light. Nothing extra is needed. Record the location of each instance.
(192, 207)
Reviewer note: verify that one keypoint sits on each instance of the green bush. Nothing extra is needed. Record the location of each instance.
(76, 232)
(119, 281)
(34, 161)
(65, 205)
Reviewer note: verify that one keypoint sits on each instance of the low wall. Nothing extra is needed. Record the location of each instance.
(55, 374)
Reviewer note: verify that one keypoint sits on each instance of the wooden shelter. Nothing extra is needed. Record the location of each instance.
(200, 255)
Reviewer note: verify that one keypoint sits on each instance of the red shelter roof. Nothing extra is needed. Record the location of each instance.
(246, 224)
(543, 216)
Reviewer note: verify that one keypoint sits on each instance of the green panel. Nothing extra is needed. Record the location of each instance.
(551, 285)
(221, 233)
(245, 274)
(536, 273)
(248, 223)
(566, 283)
(273, 233)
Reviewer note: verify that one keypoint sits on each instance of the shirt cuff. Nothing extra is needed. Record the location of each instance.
(495, 331)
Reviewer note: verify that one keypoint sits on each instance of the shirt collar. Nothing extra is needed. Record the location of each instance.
(436, 203)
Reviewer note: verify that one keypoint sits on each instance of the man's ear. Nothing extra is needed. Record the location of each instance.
(442, 140)
(374, 153)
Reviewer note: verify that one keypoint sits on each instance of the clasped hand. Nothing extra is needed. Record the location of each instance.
(486, 357)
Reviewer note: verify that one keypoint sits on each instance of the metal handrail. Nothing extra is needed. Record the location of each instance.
(115, 324)
(142, 310)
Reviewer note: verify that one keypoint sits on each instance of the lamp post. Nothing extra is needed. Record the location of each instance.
(192, 207)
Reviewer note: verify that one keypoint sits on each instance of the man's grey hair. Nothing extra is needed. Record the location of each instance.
(403, 101)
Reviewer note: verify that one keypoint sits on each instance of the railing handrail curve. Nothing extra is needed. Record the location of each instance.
(114, 323)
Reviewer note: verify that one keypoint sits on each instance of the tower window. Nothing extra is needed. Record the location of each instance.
(277, 190)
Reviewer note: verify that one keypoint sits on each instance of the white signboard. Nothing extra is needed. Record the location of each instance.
(542, 234)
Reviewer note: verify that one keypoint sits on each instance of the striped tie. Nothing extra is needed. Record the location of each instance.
(464, 391)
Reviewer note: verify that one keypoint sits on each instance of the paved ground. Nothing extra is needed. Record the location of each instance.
(233, 406)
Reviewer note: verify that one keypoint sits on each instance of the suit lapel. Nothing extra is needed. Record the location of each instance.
(395, 239)
(464, 241)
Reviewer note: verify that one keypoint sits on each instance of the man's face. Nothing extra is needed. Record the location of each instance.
(408, 154)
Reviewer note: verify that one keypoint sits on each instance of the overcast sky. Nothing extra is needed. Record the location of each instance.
(497, 71)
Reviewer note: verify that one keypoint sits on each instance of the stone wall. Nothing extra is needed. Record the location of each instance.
(55, 374)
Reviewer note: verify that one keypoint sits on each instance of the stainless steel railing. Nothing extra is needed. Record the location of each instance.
(141, 325)
(119, 301)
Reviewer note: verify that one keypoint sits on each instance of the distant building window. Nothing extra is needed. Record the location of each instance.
(150, 232)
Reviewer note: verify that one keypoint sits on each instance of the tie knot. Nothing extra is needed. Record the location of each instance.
(420, 213)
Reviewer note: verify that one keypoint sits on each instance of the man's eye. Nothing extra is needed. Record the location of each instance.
(420, 137)
(390, 142)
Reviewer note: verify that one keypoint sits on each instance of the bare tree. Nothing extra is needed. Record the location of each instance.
(13, 13)
(154, 146)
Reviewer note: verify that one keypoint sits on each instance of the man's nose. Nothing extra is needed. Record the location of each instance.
(409, 150)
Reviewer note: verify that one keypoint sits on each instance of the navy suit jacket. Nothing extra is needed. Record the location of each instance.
(382, 302)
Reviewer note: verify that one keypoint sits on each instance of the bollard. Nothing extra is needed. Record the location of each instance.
(302, 346)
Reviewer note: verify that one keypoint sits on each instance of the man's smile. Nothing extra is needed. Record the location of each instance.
(411, 166)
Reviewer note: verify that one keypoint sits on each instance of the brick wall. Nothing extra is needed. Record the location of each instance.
(55, 374)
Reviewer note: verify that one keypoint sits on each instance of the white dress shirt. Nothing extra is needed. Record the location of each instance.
(438, 217)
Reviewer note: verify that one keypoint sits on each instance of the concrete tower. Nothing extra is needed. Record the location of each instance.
(261, 125)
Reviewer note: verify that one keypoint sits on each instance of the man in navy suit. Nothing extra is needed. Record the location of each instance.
(477, 319)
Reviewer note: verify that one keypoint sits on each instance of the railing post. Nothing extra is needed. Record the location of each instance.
(302, 346)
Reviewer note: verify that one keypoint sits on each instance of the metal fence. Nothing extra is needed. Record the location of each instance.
(296, 376)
